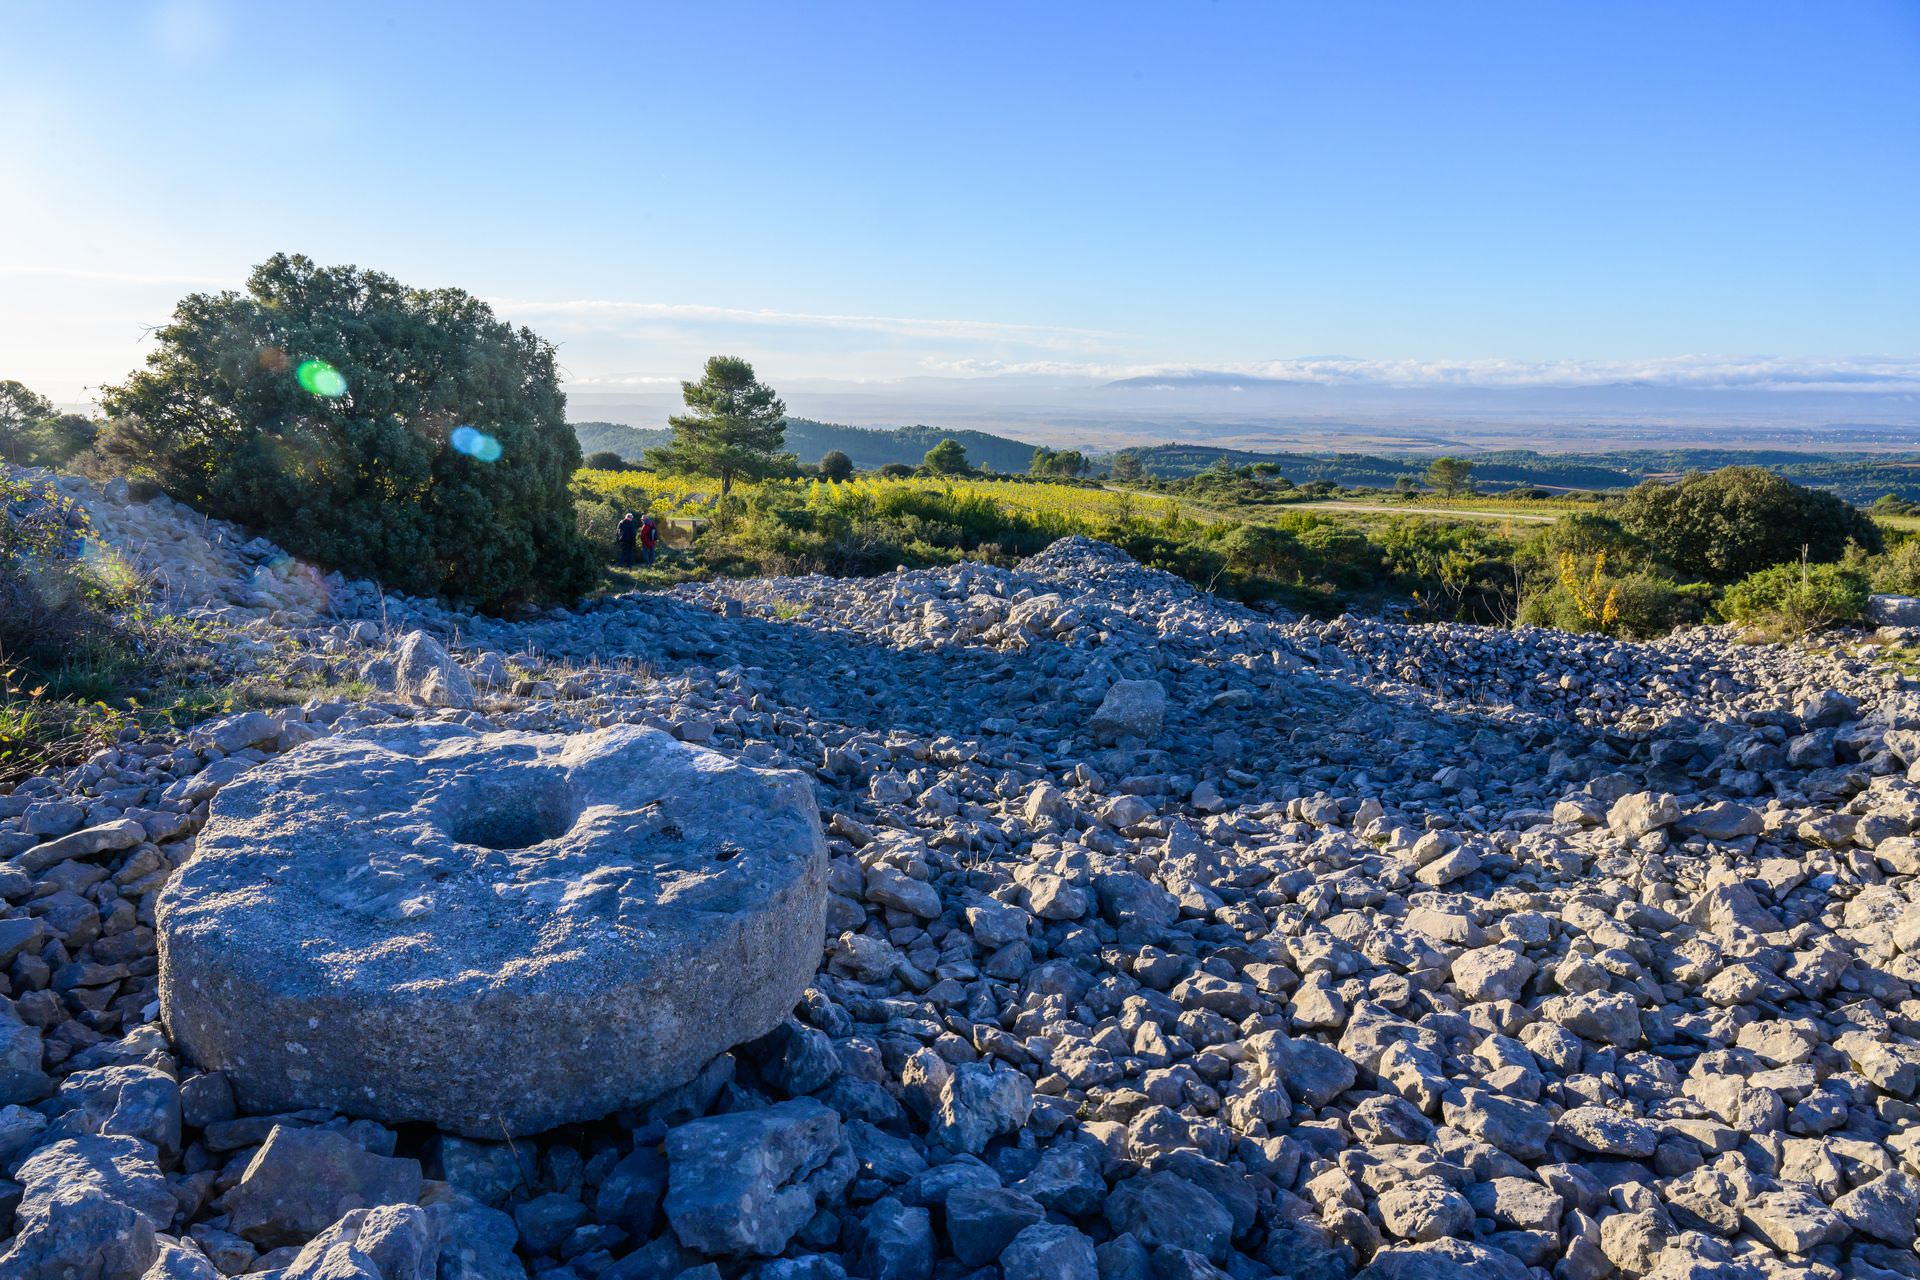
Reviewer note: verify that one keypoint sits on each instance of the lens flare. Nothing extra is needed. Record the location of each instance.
(475, 443)
(317, 377)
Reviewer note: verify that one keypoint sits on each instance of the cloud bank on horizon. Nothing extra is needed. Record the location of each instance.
(599, 339)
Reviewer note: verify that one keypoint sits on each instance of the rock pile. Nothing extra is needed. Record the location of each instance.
(1388, 951)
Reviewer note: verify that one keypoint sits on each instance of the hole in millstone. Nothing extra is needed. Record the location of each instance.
(515, 813)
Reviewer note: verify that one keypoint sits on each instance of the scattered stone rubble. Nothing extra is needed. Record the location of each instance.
(1362, 949)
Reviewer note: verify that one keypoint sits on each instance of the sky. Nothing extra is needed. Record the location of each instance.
(1404, 194)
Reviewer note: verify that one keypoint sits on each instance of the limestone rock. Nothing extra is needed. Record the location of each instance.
(427, 673)
(301, 1181)
(1132, 708)
(489, 931)
(743, 1183)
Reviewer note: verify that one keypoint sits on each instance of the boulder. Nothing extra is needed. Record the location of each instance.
(494, 932)
(1132, 708)
(1894, 611)
(302, 1181)
(427, 673)
(89, 1207)
(744, 1182)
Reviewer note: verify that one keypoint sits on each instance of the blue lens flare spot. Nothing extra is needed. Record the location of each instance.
(476, 444)
(317, 377)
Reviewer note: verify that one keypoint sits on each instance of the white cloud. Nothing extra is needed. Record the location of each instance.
(1706, 372)
(604, 312)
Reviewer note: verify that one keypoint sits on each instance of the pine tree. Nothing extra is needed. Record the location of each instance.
(732, 430)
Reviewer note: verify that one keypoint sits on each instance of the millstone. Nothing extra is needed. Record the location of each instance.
(496, 932)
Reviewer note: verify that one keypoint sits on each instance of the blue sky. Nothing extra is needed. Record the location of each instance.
(1488, 192)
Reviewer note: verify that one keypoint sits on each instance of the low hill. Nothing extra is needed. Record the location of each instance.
(617, 437)
(1859, 478)
(809, 441)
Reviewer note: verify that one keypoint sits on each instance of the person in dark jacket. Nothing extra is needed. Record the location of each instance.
(649, 535)
(628, 531)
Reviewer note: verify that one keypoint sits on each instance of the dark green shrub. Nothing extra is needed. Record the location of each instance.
(1726, 524)
(1794, 599)
(405, 434)
(1645, 605)
(1898, 571)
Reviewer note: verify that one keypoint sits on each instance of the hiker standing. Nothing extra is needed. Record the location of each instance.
(648, 536)
(627, 531)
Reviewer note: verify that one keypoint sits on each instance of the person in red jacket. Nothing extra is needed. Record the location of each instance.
(649, 534)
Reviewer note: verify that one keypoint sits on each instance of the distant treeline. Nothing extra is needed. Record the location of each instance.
(1859, 478)
(809, 441)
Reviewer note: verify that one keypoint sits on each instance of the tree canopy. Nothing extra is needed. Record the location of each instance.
(1058, 462)
(835, 465)
(34, 433)
(402, 433)
(1723, 525)
(1449, 475)
(733, 429)
(948, 458)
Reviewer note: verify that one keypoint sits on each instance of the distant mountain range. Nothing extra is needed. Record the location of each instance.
(809, 441)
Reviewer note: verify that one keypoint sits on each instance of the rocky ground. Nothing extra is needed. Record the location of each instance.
(1166, 939)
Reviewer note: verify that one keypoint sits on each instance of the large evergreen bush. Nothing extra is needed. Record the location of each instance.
(1723, 525)
(405, 434)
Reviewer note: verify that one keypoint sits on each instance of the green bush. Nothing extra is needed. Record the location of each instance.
(60, 607)
(1724, 525)
(33, 433)
(1645, 605)
(405, 434)
(1898, 571)
(1794, 599)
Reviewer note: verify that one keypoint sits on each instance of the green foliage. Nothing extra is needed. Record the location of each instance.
(1064, 463)
(22, 410)
(58, 603)
(948, 458)
(605, 460)
(1730, 523)
(1646, 605)
(323, 406)
(1260, 548)
(733, 428)
(1449, 475)
(1584, 535)
(1898, 571)
(835, 465)
(33, 433)
(1127, 468)
(895, 470)
(1793, 599)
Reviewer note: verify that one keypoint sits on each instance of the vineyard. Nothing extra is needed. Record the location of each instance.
(1068, 508)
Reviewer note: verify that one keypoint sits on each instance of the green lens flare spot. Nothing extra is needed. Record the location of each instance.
(317, 377)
